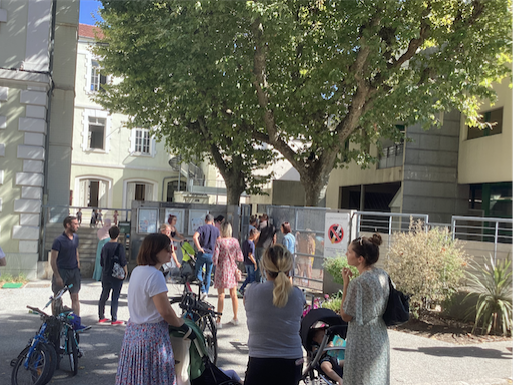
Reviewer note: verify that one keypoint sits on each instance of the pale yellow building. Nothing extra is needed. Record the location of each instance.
(37, 72)
(113, 165)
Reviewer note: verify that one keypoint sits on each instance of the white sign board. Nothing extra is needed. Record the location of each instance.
(336, 234)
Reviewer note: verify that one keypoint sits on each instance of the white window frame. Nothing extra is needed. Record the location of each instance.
(154, 184)
(78, 179)
(152, 151)
(89, 59)
(98, 114)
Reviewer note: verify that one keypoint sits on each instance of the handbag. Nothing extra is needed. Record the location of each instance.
(398, 307)
(238, 274)
(117, 270)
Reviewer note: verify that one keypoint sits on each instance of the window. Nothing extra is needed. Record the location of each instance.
(392, 152)
(96, 133)
(140, 192)
(142, 141)
(494, 117)
(97, 79)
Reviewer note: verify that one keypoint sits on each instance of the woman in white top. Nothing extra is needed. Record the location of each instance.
(146, 355)
(273, 311)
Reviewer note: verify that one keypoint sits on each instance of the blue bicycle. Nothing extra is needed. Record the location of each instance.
(55, 338)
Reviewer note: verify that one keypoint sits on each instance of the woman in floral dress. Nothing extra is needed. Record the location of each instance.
(367, 359)
(226, 253)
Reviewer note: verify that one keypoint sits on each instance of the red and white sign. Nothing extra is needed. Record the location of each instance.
(336, 234)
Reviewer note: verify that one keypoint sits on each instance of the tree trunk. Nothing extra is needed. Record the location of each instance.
(233, 194)
(314, 182)
(235, 186)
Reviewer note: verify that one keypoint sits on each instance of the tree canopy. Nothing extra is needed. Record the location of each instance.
(304, 76)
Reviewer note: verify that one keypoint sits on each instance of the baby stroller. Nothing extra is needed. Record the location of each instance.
(333, 325)
(192, 364)
(188, 262)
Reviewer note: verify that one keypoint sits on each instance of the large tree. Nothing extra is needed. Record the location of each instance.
(307, 77)
(176, 93)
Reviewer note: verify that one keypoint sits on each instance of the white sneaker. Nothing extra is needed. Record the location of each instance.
(234, 322)
(203, 296)
(219, 325)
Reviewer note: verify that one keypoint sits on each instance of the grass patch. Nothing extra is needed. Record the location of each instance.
(9, 278)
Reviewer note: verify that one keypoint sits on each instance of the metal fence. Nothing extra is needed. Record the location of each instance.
(385, 223)
(488, 235)
(307, 225)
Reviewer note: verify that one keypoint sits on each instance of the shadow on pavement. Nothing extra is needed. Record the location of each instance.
(460, 351)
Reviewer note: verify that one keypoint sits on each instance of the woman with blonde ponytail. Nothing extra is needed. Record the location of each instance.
(273, 311)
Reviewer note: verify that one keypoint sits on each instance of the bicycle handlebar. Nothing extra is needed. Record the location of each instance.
(189, 302)
(37, 310)
(59, 294)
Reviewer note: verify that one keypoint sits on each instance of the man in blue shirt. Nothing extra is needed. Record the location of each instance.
(65, 263)
(205, 241)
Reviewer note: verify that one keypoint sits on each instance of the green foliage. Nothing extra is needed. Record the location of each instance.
(429, 265)
(305, 76)
(492, 285)
(9, 278)
(173, 80)
(333, 302)
(335, 265)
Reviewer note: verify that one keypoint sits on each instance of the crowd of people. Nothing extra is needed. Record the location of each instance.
(273, 305)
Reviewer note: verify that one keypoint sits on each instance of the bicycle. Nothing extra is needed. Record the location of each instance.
(55, 338)
(203, 315)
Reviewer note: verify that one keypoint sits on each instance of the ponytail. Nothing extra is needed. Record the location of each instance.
(277, 262)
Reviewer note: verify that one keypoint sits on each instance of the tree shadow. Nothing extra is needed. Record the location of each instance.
(460, 351)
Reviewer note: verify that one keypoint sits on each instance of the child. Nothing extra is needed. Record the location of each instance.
(248, 250)
(329, 366)
(79, 216)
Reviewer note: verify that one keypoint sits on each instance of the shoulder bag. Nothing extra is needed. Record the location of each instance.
(398, 307)
(117, 270)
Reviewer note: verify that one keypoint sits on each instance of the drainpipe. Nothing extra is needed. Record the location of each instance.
(48, 118)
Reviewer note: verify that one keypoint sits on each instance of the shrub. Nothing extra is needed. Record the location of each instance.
(428, 265)
(9, 278)
(333, 302)
(492, 286)
(335, 265)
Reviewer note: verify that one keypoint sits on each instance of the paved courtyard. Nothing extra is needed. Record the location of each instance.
(414, 360)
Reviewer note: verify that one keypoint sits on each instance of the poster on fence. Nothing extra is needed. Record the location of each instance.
(336, 234)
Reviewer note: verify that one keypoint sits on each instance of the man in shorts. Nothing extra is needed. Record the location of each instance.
(65, 264)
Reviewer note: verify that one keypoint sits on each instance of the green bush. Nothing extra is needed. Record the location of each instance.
(9, 278)
(428, 265)
(335, 265)
(333, 302)
(491, 285)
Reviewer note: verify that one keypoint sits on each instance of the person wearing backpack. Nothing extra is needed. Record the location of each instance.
(267, 239)
(112, 252)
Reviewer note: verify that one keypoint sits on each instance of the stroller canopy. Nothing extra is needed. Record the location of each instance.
(327, 316)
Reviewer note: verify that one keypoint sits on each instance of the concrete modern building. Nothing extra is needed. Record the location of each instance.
(453, 170)
(38, 40)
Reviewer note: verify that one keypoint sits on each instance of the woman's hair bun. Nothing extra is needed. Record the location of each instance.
(376, 239)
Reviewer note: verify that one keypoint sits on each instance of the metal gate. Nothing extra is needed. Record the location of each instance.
(307, 224)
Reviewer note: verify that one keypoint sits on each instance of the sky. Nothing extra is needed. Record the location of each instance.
(86, 8)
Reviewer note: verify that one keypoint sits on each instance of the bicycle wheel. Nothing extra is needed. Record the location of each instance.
(208, 327)
(38, 366)
(72, 350)
(54, 360)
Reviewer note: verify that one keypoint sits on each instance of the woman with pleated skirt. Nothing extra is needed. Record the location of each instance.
(146, 355)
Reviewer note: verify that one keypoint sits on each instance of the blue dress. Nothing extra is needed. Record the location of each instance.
(97, 274)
